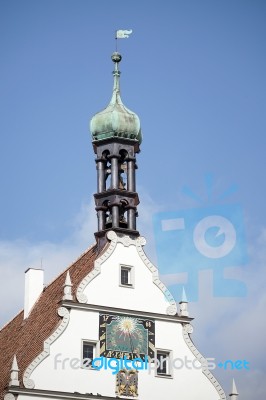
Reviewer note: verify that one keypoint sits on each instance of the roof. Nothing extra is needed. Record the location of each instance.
(25, 337)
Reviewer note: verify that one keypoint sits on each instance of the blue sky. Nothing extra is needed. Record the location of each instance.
(194, 72)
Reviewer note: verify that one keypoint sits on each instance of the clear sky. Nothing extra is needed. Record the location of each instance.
(195, 72)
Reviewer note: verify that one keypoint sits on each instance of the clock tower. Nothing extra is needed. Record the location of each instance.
(116, 137)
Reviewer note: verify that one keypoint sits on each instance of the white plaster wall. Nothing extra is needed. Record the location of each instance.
(33, 288)
(185, 384)
(104, 289)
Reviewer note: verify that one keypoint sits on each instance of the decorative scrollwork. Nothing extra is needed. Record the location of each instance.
(9, 396)
(64, 313)
(82, 298)
(126, 241)
(188, 328)
(171, 310)
(141, 241)
(111, 235)
(29, 383)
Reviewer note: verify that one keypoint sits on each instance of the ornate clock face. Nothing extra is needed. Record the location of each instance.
(125, 335)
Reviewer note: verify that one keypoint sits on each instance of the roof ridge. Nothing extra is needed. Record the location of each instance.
(70, 265)
(12, 319)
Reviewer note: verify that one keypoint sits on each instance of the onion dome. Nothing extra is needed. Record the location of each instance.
(116, 120)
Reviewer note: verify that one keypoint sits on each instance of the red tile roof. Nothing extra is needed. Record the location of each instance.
(25, 337)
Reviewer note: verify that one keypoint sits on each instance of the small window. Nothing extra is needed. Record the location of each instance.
(88, 354)
(164, 363)
(126, 276)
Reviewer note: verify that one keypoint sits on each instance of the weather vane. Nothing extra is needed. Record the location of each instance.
(122, 34)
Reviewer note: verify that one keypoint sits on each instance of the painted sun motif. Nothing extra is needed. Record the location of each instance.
(127, 325)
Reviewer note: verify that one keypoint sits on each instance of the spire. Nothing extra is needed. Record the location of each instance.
(14, 381)
(234, 393)
(68, 288)
(183, 304)
(184, 296)
(116, 57)
(116, 137)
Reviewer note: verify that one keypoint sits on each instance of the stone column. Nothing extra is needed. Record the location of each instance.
(131, 180)
(114, 172)
(131, 218)
(101, 181)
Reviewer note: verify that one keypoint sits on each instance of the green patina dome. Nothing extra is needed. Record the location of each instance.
(116, 120)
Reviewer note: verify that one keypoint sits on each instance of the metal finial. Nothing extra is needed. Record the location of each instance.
(116, 57)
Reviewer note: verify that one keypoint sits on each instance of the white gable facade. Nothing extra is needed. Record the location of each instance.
(102, 296)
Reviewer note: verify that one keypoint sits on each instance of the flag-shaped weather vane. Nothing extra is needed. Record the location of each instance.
(122, 34)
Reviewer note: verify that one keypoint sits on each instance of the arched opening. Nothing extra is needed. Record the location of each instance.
(123, 169)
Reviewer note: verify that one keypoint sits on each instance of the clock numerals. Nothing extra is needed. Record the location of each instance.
(102, 348)
(151, 346)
